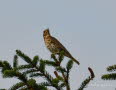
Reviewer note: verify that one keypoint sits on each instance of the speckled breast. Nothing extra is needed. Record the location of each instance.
(51, 46)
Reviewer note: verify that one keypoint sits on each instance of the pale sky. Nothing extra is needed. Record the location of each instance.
(87, 28)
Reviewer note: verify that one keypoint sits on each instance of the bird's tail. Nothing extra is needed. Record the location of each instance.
(70, 56)
(75, 60)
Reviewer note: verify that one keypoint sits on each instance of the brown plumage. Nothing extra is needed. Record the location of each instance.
(55, 46)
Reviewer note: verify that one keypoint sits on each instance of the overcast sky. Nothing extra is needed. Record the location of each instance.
(87, 28)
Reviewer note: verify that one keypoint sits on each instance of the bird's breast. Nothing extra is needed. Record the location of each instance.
(47, 41)
(51, 46)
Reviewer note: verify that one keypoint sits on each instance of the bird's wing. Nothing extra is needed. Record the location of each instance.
(60, 46)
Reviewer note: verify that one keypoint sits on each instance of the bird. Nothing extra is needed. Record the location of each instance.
(54, 45)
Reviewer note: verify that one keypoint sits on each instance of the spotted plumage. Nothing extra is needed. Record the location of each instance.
(55, 46)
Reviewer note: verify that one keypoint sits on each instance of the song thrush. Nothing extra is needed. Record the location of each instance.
(55, 46)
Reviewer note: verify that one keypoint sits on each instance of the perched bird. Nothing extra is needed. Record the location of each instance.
(55, 46)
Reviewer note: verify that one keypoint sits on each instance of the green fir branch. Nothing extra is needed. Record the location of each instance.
(18, 85)
(111, 76)
(24, 88)
(44, 84)
(69, 67)
(37, 68)
(23, 56)
(84, 83)
(6, 65)
(62, 85)
(35, 60)
(22, 67)
(54, 57)
(42, 66)
(36, 75)
(13, 73)
(33, 85)
(49, 77)
(50, 63)
(111, 68)
(15, 61)
(61, 56)
(1, 64)
(29, 71)
(87, 80)
(61, 69)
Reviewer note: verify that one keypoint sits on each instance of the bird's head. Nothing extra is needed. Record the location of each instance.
(46, 33)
